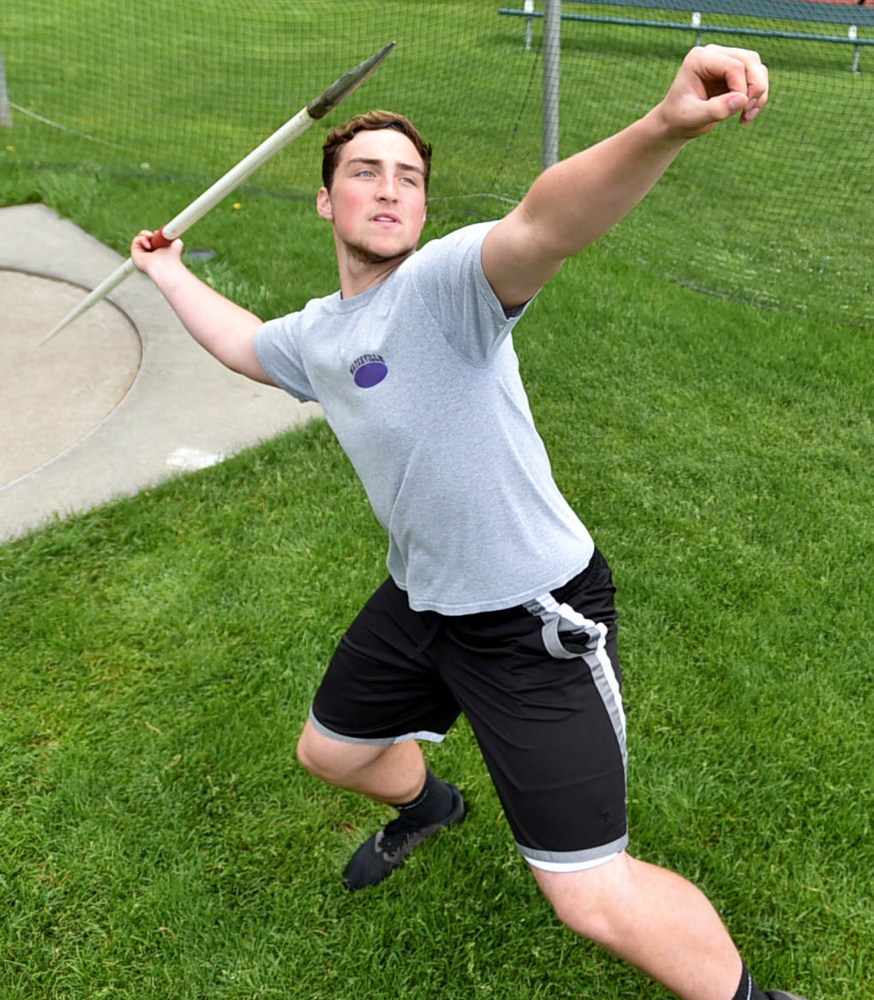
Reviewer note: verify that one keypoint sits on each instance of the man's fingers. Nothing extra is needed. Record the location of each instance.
(737, 70)
(756, 77)
(726, 105)
(758, 90)
(143, 240)
(713, 84)
(734, 73)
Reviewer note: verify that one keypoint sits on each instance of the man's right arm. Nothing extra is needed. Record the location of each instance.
(220, 326)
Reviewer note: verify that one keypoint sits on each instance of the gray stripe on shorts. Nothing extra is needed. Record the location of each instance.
(590, 856)
(605, 680)
(384, 741)
(554, 616)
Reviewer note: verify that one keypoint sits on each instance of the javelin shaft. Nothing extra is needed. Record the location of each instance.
(294, 127)
(236, 175)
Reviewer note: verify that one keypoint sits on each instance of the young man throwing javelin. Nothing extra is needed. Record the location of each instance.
(498, 603)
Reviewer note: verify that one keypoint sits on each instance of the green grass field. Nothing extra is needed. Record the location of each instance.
(158, 655)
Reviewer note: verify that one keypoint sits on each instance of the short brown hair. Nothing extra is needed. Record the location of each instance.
(371, 122)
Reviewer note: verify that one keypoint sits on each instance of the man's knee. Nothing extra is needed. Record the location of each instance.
(587, 901)
(332, 760)
(315, 753)
(305, 756)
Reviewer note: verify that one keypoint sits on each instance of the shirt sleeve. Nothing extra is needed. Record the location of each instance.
(449, 278)
(277, 346)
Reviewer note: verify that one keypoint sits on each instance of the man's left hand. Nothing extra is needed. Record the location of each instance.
(713, 84)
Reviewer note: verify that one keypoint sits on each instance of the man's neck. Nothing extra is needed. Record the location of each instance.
(359, 275)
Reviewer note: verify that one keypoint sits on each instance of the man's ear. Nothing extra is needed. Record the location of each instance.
(323, 204)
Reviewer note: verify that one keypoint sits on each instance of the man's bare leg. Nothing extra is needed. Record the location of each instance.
(653, 919)
(394, 774)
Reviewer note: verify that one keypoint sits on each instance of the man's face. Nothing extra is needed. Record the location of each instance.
(377, 200)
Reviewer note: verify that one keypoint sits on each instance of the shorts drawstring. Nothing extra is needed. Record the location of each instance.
(430, 636)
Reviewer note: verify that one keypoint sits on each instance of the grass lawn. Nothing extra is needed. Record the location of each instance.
(158, 656)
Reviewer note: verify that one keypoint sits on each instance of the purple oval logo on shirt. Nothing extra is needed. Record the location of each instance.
(368, 370)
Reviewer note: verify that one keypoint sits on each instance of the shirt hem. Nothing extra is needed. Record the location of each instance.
(497, 604)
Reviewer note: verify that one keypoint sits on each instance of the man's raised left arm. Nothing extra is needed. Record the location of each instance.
(576, 201)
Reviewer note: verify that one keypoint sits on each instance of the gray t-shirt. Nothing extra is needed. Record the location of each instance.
(419, 380)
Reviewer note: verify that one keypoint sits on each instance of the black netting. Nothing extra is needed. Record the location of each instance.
(779, 213)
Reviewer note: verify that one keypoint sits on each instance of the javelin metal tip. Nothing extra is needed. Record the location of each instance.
(342, 88)
(57, 329)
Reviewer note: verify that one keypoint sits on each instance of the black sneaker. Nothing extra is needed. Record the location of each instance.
(783, 995)
(388, 849)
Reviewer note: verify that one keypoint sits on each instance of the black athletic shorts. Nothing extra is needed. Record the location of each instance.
(540, 685)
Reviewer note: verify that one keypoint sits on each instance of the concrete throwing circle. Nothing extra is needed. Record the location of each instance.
(53, 396)
(120, 399)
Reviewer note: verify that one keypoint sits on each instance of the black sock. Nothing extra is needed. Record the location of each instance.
(748, 989)
(431, 805)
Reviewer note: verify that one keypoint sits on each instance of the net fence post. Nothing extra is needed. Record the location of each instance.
(551, 75)
(5, 110)
(853, 35)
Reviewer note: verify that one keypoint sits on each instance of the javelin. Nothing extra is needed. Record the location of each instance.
(294, 127)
